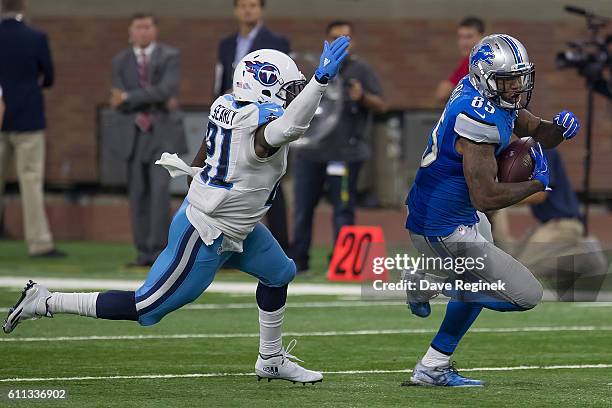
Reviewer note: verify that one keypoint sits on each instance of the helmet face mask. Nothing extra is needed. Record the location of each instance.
(501, 71)
(290, 90)
(511, 90)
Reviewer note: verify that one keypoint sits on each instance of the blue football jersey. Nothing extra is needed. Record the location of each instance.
(439, 200)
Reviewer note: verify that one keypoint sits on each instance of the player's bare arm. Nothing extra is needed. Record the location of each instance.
(480, 170)
(262, 147)
(543, 131)
(199, 159)
(549, 134)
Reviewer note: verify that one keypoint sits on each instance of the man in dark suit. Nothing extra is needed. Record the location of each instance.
(147, 123)
(25, 68)
(252, 35)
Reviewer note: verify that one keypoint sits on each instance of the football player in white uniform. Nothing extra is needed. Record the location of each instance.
(244, 157)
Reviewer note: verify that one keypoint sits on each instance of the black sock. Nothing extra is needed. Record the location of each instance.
(271, 299)
(116, 305)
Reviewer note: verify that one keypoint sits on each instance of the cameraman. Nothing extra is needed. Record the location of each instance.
(333, 163)
(604, 87)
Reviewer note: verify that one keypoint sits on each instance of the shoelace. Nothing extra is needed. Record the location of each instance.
(287, 351)
(446, 372)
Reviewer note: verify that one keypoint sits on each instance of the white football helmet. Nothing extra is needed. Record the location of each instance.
(267, 76)
(500, 69)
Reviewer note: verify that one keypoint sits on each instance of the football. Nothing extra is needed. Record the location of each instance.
(515, 163)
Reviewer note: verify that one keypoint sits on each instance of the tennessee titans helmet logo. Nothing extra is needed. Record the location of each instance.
(484, 53)
(264, 72)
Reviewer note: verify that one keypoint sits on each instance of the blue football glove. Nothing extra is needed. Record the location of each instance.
(569, 122)
(540, 168)
(331, 59)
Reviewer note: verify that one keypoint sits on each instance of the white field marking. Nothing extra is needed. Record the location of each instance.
(538, 329)
(340, 289)
(347, 372)
(291, 305)
(215, 287)
(593, 304)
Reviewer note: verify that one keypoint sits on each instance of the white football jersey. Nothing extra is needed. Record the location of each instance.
(235, 187)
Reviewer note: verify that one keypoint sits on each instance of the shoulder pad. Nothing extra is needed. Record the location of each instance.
(268, 112)
(474, 128)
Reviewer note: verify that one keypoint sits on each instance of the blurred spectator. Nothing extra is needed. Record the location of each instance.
(25, 68)
(332, 164)
(252, 35)
(145, 79)
(560, 232)
(469, 32)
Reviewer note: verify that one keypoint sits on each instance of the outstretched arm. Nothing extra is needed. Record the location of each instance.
(297, 116)
(296, 119)
(198, 160)
(480, 171)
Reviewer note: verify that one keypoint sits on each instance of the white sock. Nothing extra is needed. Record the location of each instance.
(270, 333)
(433, 358)
(83, 304)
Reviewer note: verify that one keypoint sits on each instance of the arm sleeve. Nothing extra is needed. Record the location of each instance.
(296, 118)
(160, 92)
(476, 130)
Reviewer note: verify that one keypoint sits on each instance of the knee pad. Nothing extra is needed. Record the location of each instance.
(532, 296)
(285, 276)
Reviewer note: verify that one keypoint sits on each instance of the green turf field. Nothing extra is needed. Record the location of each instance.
(206, 353)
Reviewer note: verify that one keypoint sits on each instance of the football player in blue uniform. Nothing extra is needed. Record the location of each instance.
(457, 180)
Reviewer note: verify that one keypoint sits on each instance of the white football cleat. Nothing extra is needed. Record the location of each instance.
(31, 305)
(282, 368)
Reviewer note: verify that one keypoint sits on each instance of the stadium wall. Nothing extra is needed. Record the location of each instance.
(411, 54)
(411, 44)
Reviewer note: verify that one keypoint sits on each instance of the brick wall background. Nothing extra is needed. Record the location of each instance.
(410, 56)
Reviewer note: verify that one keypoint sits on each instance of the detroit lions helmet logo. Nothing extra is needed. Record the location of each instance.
(264, 72)
(484, 53)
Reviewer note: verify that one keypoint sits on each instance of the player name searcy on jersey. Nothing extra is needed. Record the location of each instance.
(222, 114)
(440, 286)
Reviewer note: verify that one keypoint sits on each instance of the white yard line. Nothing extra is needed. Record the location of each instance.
(593, 304)
(340, 289)
(528, 329)
(215, 287)
(291, 305)
(348, 372)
